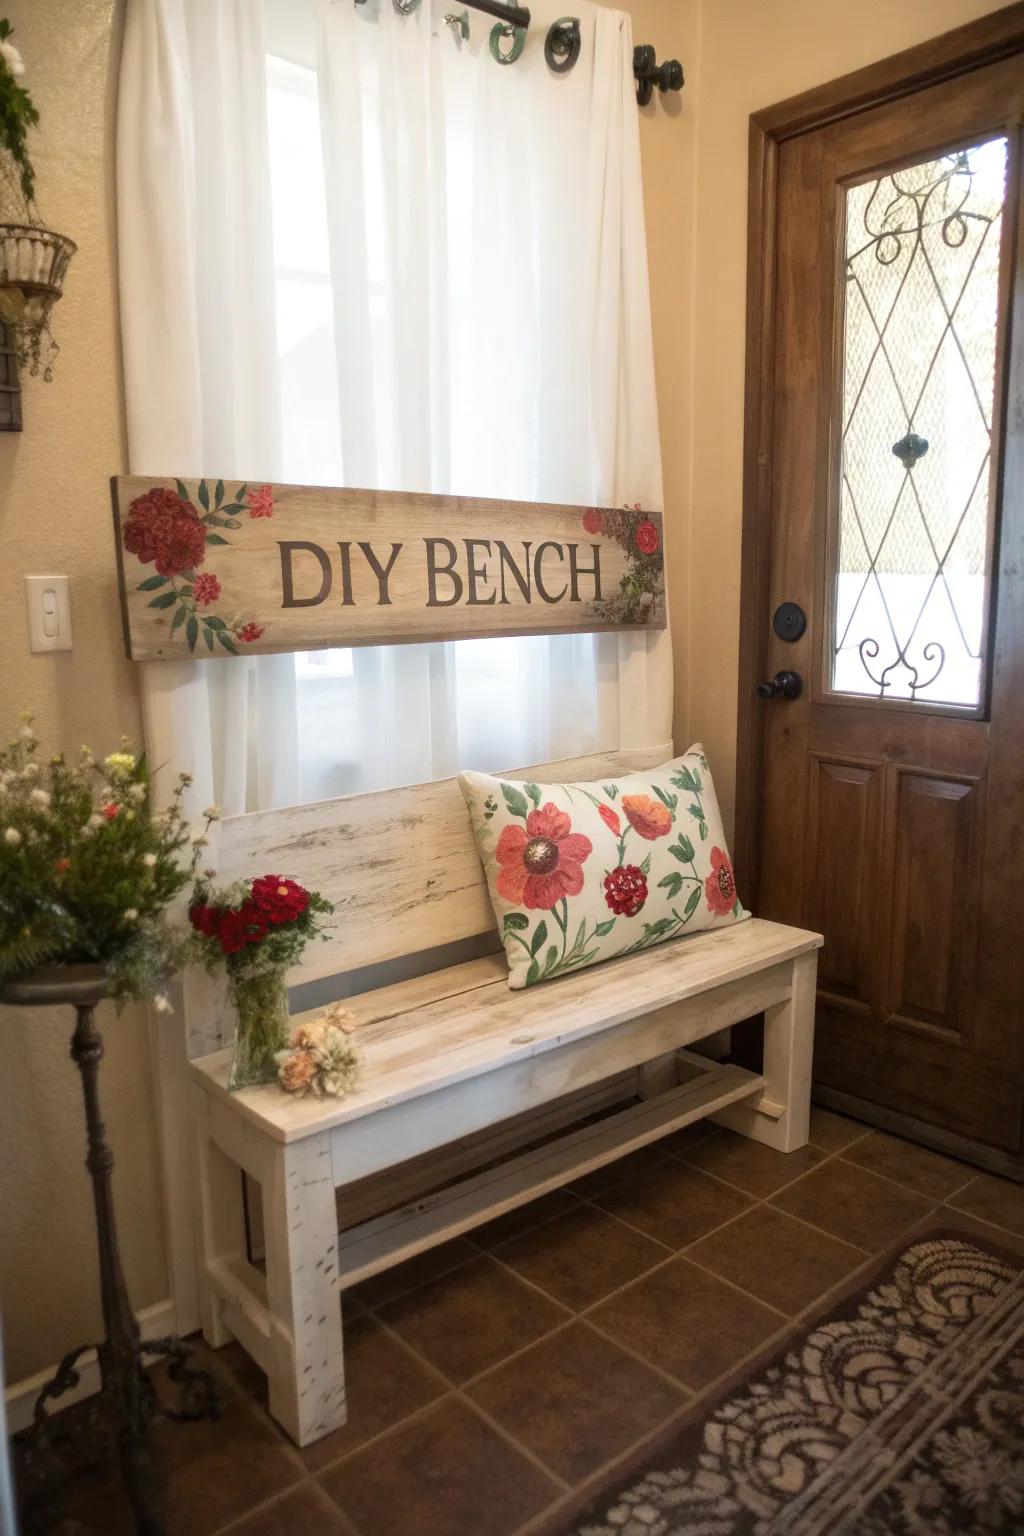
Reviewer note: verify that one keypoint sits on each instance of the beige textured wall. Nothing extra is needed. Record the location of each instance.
(669, 133)
(751, 54)
(55, 516)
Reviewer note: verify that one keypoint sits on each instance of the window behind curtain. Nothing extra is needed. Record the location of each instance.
(508, 701)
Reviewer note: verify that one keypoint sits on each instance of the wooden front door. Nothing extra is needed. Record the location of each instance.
(892, 817)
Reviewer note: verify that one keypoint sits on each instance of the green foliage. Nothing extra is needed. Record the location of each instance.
(515, 800)
(87, 869)
(17, 116)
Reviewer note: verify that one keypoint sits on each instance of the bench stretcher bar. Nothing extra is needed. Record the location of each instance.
(399, 1235)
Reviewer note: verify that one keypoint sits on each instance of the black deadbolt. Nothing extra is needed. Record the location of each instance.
(784, 685)
(789, 621)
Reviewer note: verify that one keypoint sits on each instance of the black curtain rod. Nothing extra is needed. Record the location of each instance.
(563, 45)
(514, 15)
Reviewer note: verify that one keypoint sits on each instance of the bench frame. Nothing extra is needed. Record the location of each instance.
(301, 1153)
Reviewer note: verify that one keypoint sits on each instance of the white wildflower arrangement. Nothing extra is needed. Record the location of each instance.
(87, 868)
(322, 1058)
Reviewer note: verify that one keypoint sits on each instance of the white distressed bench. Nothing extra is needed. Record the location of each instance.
(459, 1072)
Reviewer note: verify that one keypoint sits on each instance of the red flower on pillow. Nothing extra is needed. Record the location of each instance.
(647, 816)
(162, 529)
(647, 538)
(625, 890)
(610, 819)
(278, 900)
(720, 885)
(541, 863)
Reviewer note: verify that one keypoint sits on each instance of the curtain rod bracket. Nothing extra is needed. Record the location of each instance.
(648, 73)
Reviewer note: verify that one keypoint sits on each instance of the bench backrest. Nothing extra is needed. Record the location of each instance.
(400, 865)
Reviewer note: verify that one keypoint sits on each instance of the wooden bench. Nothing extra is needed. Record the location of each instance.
(461, 1074)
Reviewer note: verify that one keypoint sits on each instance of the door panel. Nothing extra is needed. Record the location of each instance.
(843, 851)
(893, 790)
(932, 884)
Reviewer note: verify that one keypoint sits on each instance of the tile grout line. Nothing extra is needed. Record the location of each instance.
(889, 1179)
(347, 1527)
(987, 1221)
(599, 1473)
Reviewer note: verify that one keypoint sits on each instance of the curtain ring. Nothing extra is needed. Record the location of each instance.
(562, 44)
(499, 33)
(404, 7)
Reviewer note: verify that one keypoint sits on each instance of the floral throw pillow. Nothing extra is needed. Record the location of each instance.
(583, 872)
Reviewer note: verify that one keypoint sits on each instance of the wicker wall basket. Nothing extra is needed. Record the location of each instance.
(33, 262)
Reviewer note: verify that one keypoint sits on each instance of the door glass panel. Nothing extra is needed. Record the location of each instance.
(918, 379)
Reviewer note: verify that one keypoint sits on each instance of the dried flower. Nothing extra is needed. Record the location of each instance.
(322, 1060)
(149, 860)
(40, 798)
(342, 1018)
(296, 1072)
(131, 914)
(162, 1003)
(12, 837)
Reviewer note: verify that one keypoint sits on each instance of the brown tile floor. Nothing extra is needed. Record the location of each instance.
(491, 1377)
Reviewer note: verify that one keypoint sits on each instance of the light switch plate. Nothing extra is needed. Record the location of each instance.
(49, 613)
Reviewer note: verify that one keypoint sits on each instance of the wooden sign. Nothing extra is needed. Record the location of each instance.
(208, 567)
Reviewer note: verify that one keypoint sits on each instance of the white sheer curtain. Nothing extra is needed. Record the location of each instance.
(354, 251)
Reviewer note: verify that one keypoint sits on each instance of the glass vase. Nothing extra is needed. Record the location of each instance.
(261, 1003)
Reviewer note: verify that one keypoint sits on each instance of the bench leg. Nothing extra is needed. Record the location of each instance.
(781, 1118)
(307, 1379)
(220, 1221)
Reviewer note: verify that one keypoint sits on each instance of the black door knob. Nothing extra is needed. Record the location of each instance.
(784, 685)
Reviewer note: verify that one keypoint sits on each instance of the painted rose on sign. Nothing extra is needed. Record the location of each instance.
(641, 588)
(167, 530)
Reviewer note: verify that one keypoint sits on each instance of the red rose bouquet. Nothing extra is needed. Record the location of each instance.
(256, 929)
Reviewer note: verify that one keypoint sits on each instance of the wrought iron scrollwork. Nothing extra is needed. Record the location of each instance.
(903, 547)
(870, 648)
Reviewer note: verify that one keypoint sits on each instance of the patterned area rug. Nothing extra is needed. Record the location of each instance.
(902, 1412)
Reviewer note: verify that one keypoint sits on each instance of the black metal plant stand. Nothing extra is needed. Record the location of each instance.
(117, 1419)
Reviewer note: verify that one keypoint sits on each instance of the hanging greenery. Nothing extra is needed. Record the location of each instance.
(33, 259)
(17, 111)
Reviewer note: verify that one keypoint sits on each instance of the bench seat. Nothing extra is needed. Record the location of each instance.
(446, 1056)
(421, 1036)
